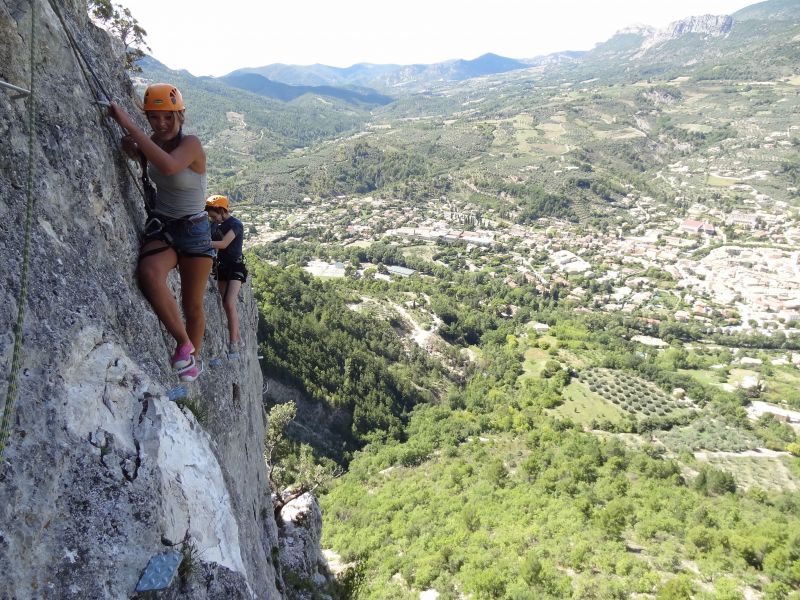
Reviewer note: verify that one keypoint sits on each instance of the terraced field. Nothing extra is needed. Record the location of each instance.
(637, 397)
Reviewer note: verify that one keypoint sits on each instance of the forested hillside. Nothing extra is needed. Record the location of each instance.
(513, 478)
(496, 499)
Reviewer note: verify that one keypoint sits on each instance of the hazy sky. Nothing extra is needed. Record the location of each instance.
(214, 38)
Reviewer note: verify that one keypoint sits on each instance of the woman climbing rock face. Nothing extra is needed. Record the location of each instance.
(177, 232)
(227, 234)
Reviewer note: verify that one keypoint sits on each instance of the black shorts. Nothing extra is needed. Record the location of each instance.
(231, 272)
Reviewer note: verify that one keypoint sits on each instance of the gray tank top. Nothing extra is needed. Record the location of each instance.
(179, 195)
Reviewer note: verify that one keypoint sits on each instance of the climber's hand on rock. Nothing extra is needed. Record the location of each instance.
(116, 112)
(130, 147)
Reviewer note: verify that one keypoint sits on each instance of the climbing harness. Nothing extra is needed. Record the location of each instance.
(11, 392)
(148, 189)
(160, 227)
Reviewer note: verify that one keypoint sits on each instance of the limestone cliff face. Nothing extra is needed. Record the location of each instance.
(300, 553)
(102, 471)
(706, 25)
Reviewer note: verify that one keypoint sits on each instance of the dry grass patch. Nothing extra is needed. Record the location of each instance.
(552, 149)
(771, 473)
(717, 181)
(584, 406)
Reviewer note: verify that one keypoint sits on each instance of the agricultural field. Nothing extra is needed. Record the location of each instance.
(583, 406)
(778, 384)
(783, 386)
(420, 251)
(535, 359)
(717, 181)
(639, 398)
(770, 472)
(705, 376)
(708, 433)
(743, 378)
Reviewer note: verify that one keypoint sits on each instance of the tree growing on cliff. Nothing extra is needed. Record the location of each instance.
(293, 469)
(119, 21)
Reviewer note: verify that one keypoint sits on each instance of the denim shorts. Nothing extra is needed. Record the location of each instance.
(188, 236)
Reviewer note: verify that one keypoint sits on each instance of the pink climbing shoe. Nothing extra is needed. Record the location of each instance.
(192, 371)
(183, 356)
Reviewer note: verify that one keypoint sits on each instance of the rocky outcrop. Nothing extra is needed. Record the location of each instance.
(705, 25)
(305, 568)
(101, 470)
(639, 29)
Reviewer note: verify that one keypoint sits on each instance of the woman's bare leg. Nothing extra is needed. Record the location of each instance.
(194, 278)
(222, 286)
(152, 275)
(229, 297)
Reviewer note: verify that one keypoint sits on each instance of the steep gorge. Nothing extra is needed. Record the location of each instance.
(101, 470)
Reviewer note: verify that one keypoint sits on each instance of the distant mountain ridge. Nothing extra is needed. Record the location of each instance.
(628, 43)
(638, 39)
(258, 84)
(637, 51)
(708, 46)
(386, 76)
(711, 25)
(770, 9)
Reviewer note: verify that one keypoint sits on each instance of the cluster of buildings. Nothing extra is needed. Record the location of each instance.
(728, 268)
(440, 232)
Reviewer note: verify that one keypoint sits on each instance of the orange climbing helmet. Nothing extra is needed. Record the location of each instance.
(163, 96)
(217, 201)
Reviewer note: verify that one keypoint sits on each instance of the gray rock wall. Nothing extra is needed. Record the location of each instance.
(101, 470)
(301, 557)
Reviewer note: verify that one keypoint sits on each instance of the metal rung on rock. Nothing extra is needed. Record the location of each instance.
(177, 393)
(21, 93)
(160, 572)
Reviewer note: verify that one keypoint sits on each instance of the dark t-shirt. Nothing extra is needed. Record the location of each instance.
(233, 253)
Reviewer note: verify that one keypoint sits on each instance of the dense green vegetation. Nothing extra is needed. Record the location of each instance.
(483, 490)
(542, 510)
(489, 459)
(310, 339)
(363, 169)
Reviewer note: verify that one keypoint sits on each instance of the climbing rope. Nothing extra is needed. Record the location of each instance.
(100, 102)
(75, 47)
(11, 392)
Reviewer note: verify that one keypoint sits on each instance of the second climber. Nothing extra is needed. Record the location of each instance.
(231, 272)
